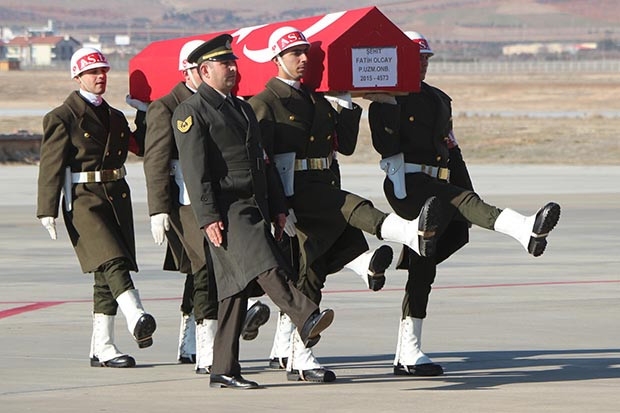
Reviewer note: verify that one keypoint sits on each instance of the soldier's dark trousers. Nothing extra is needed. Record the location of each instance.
(204, 298)
(111, 280)
(187, 302)
(364, 217)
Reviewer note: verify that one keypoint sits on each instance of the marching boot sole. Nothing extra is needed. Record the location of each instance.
(428, 226)
(546, 219)
(314, 335)
(380, 261)
(143, 332)
(256, 316)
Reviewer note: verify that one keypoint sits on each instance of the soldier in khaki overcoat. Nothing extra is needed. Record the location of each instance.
(83, 151)
(421, 157)
(304, 132)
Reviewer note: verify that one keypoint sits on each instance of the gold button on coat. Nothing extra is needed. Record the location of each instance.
(411, 118)
(86, 135)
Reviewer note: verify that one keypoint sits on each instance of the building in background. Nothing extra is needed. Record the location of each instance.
(38, 51)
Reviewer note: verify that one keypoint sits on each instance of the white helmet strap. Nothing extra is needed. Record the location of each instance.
(283, 66)
(194, 84)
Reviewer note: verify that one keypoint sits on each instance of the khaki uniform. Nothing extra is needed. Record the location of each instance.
(100, 224)
(305, 123)
(419, 127)
(185, 250)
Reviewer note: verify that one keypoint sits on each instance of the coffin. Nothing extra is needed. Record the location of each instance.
(356, 51)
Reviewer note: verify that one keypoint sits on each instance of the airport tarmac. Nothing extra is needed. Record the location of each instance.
(514, 333)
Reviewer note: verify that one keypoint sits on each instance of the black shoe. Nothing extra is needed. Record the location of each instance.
(427, 369)
(428, 226)
(381, 259)
(314, 325)
(120, 361)
(232, 382)
(203, 370)
(320, 375)
(144, 329)
(256, 316)
(278, 363)
(189, 359)
(546, 219)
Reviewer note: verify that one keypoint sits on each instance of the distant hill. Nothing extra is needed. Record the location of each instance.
(442, 21)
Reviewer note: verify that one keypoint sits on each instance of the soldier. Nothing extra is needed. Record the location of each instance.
(422, 158)
(235, 193)
(83, 151)
(304, 132)
(172, 218)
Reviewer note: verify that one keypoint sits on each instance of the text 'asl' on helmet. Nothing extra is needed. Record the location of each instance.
(421, 41)
(87, 58)
(285, 38)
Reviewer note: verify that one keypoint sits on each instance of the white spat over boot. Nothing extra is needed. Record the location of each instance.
(140, 324)
(186, 353)
(531, 231)
(303, 366)
(103, 351)
(409, 359)
(205, 335)
(421, 234)
(371, 266)
(281, 348)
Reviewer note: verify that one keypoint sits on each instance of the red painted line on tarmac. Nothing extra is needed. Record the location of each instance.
(30, 307)
(498, 285)
(45, 304)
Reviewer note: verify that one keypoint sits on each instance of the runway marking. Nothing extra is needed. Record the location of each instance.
(45, 304)
(30, 307)
(498, 285)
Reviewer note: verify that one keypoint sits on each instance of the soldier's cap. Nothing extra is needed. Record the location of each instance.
(217, 49)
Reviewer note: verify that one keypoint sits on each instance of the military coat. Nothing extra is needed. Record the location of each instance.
(229, 179)
(186, 249)
(304, 122)
(419, 127)
(100, 224)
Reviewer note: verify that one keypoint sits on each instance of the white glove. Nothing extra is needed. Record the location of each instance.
(160, 223)
(341, 99)
(136, 104)
(289, 227)
(381, 98)
(49, 223)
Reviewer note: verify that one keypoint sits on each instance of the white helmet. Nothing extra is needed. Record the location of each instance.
(421, 41)
(285, 38)
(87, 58)
(185, 51)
